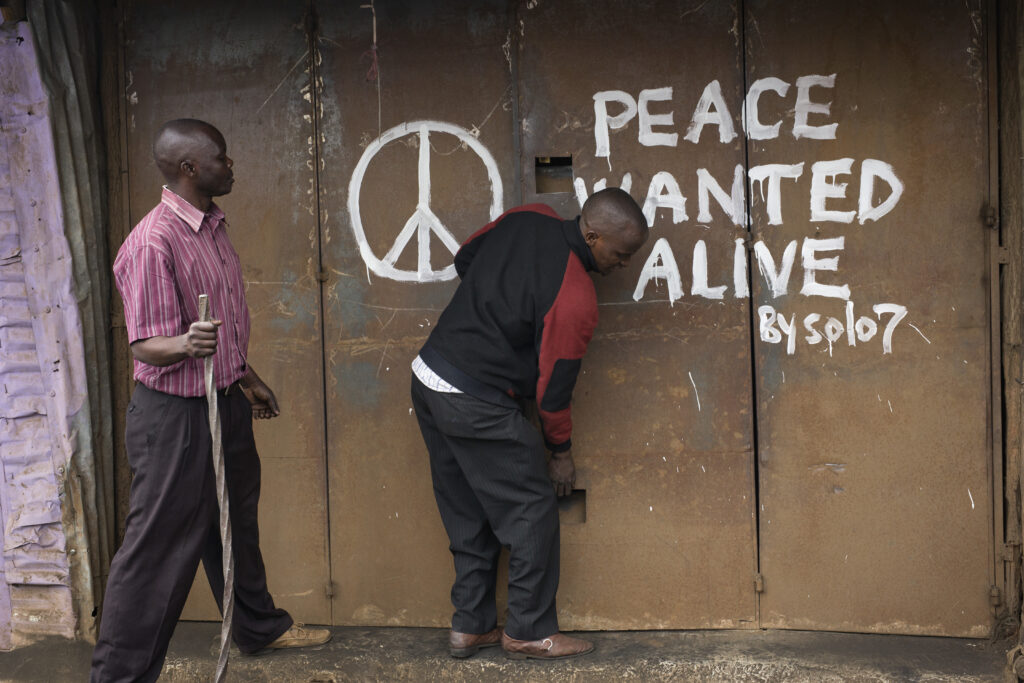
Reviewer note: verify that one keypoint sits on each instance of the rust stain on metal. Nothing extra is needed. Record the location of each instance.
(870, 404)
(374, 323)
(873, 478)
(274, 226)
(663, 408)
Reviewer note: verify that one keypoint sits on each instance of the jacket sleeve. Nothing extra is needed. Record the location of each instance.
(568, 327)
(471, 246)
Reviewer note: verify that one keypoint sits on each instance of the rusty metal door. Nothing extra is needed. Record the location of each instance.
(240, 66)
(874, 410)
(369, 142)
(664, 426)
(409, 171)
(655, 467)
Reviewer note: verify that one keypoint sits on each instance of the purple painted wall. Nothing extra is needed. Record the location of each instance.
(42, 384)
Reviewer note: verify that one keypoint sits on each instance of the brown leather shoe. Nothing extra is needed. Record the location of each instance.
(468, 644)
(300, 636)
(558, 646)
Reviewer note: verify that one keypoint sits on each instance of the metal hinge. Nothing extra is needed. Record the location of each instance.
(329, 589)
(1010, 552)
(758, 583)
(990, 216)
(995, 596)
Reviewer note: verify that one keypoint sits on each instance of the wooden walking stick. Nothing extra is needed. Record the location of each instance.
(227, 556)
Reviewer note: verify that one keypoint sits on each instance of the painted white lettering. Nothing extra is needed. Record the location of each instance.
(664, 193)
(788, 328)
(814, 337)
(580, 186)
(898, 313)
(660, 265)
(703, 115)
(739, 269)
(812, 265)
(648, 137)
(767, 316)
(773, 325)
(773, 173)
(752, 125)
(733, 204)
(700, 274)
(824, 186)
(851, 335)
(804, 106)
(869, 170)
(776, 279)
(602, 122)
(833, 332)
(866, 328)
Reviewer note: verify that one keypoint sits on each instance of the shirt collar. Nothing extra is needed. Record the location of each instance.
(576, 242)
(192, 216)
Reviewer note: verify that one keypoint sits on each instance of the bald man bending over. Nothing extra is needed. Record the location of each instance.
(178, 251)
(516, 330)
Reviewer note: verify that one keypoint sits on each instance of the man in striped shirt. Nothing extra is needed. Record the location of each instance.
(178, 251)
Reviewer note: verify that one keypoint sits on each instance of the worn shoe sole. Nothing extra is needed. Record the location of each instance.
(524, 655)
(294, 643)
(263, 652)
(463, 652)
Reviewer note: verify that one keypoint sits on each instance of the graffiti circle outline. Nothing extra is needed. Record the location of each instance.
(423, 219)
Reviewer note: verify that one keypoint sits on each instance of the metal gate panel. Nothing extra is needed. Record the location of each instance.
(445, 74)
(875, 500)
(663, 409)
(240, 67)
(874, 496)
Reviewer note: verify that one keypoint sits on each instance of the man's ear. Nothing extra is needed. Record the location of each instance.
(590, 238)
(187, 167)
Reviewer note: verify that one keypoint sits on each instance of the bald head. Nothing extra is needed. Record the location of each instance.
(612, 210)
(614, 228)
(179, 142)
(192, 156)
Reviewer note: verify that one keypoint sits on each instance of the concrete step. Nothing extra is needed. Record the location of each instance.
(412, 654)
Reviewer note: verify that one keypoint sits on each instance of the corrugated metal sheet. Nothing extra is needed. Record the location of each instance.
(66, 46)
(42, 385)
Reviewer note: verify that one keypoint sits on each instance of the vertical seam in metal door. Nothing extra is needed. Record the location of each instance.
(124, 212)
(993, 237)
(517, 137)
(312, 34)
(741, 10)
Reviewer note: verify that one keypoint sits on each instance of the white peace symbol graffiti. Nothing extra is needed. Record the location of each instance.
(423, 221)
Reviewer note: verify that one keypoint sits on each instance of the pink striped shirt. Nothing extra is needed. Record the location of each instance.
(171, 257)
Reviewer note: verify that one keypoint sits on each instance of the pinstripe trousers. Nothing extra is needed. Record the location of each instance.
(489, 472)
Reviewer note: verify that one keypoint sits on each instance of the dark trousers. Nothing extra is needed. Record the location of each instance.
(492, 488)
(173, 523)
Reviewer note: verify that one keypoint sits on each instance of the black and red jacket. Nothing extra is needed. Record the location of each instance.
(519, 323)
